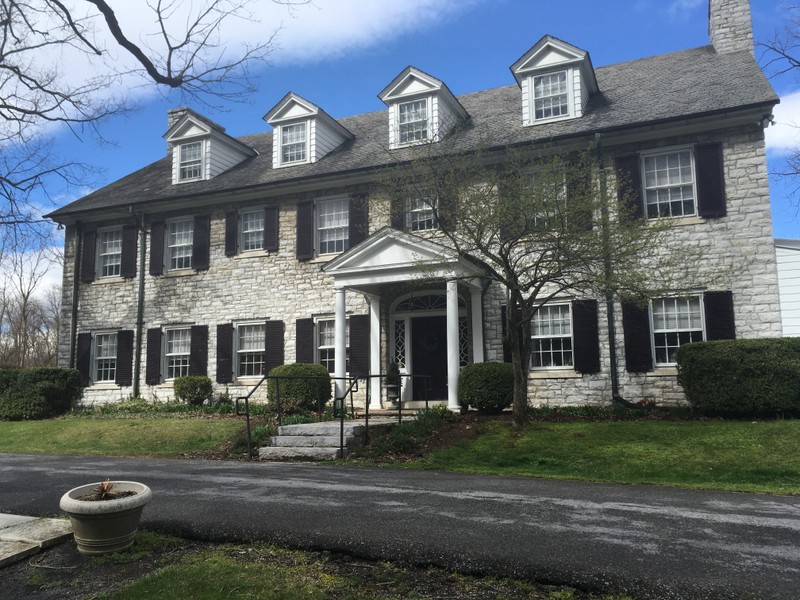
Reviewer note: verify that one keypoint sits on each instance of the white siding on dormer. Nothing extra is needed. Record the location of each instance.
(393, 126)
(221, 157)
(326, 140)
(435, 132)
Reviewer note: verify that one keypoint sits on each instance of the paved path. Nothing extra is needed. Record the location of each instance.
(648, 541)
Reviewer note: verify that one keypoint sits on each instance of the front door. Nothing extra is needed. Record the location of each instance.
(429, 357)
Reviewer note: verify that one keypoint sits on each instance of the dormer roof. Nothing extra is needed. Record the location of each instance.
(412, 82)
(293, 107)
(551, 52)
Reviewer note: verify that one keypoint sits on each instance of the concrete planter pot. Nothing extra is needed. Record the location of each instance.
(104, 526)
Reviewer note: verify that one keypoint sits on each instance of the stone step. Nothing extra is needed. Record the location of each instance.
(321, 429)
(318, 441)
(294, 452)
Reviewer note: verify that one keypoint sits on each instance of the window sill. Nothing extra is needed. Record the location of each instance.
(555, 374)
(107, 280)
(323, 258)
(681, 221)
(104, 385)
(251, 254)
(663, 372)
(180, 273)
(533, 122)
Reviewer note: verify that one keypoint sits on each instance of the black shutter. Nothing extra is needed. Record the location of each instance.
(710, 180)
(152, 371)
(225, 353)
(200, 242)
(446, 207)
(273, 356)
(506, 347)
(398, 216)
(638, 350)
(720, 323)
(629, 185)
(358, 220)
(271, 228)
(304, 341)
(157, 248)
(586, 336)
(128, 258)
(305, 231)
(83, 359)
(124, 374)
(579, 199)
(89, 250)
(231, 233)
(359, 345)
(198, 351)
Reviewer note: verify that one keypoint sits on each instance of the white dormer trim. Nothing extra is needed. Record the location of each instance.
(323, 133)
(405, 96)
(556, 79)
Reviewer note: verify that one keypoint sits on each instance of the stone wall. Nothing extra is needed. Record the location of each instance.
(730, 25)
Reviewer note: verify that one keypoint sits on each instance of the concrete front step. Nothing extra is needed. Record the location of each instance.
(315, 441)
(294, 452)
(331, 428)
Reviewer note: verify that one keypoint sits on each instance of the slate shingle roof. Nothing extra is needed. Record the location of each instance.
(646, 91)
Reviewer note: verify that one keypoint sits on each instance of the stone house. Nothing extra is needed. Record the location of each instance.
(230, 256)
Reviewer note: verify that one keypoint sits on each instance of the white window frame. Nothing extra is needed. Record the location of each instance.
(107, 259)
(188, 166)
(570, 111)
(302, 145)
(551, 337)
(320, 229)
(170, 248)
(258, 234)
(182, 358)
(413, 125)
(328, 350)
(243, 353)
(675, 330)
(107, 358)
(651, 154)
(421, 215)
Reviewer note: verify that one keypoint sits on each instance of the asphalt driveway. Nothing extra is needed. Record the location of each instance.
(650, 542)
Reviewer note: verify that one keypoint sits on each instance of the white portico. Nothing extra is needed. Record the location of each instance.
(414, 323)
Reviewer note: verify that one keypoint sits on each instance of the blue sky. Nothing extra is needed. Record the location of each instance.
(340, 54)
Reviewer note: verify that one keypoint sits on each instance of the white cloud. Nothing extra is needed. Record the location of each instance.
(785, 133)
(680, 9)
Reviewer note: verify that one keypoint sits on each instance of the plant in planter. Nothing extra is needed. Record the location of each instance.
(392, 382)
(105, 515)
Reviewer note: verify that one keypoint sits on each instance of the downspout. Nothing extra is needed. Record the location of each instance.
(137, 353)
(73, 325)
(608, 272)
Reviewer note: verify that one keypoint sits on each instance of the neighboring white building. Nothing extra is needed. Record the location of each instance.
(230, 256)
(787, 253)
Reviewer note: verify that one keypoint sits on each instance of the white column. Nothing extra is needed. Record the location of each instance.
(374, 350)
(340, 335)
(452, 347)
(477, 325)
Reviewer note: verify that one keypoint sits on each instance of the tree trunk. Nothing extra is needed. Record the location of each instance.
(518, 339)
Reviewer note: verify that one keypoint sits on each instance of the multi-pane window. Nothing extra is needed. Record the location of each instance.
(420, 215)
(250, 350)
(177, 347)
(252, 230)
(191, 161)
(551, 337)
(105, 357)
(293, 143)
(550, 97)
(333, 225)
(109, 252)
(326, 344)
(676, 321)
(180, 235)
(669, 184)
(413, 121)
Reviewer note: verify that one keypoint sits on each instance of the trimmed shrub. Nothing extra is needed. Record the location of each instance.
(299, 395)
(487, 387)
(742, 378)
(38, 393)
(193, 389)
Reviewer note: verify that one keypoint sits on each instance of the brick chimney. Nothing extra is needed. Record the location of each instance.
(730, 26)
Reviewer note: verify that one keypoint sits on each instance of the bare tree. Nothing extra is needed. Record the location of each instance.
(188, 54)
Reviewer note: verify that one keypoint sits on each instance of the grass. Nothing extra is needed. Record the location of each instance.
(724, 455)
(116, 437)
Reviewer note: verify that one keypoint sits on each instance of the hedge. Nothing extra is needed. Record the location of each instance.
(487, 387)
(742, 378)
(38, 393)
(193, 389)
(308, 394)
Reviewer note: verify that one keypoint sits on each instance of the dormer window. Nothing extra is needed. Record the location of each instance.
(191, 161)
(550, 98)
(413, 121)
(294, 142)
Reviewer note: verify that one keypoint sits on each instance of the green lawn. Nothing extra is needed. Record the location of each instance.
(116, 437)
(724, 455)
